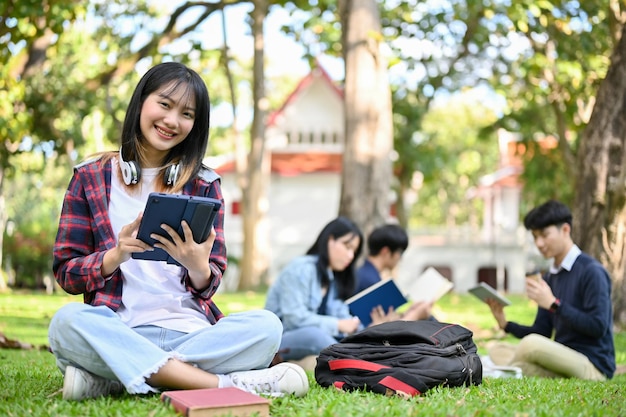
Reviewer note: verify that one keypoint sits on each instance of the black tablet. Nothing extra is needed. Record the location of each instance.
(172, 209)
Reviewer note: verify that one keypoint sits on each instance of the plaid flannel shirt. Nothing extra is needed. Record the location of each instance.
(85, 234)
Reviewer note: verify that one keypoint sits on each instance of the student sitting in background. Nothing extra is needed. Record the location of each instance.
(574, 304)
(386, 245)
(309, 293)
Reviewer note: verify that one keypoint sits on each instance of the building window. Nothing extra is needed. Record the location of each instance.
(489, 275)
(446, 271)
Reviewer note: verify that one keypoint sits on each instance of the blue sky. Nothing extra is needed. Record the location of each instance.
(282, 53)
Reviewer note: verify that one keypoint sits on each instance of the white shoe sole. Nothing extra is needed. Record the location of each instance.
(303, 378)
(68, 382)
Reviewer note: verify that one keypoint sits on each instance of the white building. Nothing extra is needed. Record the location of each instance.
(305, 137)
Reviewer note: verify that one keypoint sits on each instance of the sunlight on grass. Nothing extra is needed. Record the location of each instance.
(239, 301)
(25, 316)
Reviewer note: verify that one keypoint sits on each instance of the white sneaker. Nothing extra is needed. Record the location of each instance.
(79, 385)
(284, 378)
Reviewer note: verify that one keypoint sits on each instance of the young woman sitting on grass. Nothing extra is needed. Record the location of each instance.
(147, 325)
(309, 293)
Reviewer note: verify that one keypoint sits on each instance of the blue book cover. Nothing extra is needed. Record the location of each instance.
(385, 294)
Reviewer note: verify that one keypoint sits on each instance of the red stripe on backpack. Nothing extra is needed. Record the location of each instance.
(337, 364)
(398, 386)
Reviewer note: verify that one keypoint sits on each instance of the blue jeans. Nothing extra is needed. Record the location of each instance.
(304, 341)
(96, 340)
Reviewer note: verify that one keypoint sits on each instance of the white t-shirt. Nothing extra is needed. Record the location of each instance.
(152, 293)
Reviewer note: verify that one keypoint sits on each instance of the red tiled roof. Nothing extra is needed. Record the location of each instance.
(289, 164)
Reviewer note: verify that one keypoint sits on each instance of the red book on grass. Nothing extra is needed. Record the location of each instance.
(211, 402)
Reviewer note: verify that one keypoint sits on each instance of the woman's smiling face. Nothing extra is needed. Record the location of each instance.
(167, 117)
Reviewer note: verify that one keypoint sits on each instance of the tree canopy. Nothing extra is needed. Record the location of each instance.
(532, 66)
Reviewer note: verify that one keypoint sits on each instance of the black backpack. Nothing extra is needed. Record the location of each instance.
(401, 357)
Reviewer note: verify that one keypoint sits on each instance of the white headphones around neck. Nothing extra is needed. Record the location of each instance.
(131, 172)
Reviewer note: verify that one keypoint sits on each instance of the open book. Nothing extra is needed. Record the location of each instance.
(485, 291)
(429, 286)
(384, 293)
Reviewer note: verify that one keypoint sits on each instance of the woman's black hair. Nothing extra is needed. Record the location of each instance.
(190, 152)
(345, 281)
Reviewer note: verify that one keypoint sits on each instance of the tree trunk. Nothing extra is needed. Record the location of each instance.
(366, 174)
(254, 263)
(402, 214)
(3, 224)
(241, 162)
(600, 204)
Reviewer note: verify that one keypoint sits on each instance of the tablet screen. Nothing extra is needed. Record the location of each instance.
(172, 209)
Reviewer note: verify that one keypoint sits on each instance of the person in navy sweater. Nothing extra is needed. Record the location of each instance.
(386, 245)
(574, 305)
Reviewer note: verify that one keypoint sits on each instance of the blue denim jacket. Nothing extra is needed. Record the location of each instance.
(296, 295)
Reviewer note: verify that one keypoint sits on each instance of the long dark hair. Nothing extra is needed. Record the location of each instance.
(345, 281)
(190, 152)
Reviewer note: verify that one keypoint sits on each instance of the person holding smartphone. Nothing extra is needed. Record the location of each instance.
(574, 304)
(148, 325)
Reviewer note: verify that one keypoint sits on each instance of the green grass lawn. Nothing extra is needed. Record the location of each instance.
(30, 382)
